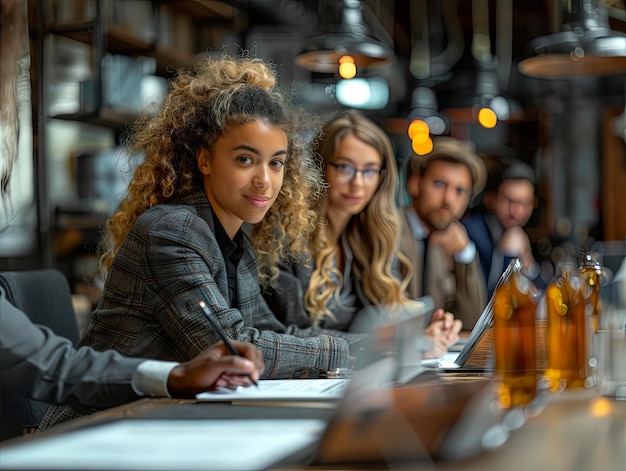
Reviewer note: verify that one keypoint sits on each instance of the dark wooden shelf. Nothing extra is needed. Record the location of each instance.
(105, 117)
(206, 11)
(169, 59)
(120, 41)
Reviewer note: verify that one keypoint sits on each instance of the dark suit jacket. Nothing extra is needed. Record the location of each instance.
(456, 287)
(478, 231)
(492, 261)
(41, 365)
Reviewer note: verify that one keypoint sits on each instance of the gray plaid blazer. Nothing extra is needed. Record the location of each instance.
(170, 261)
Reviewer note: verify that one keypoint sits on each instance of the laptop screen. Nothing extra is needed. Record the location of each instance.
(397, 332)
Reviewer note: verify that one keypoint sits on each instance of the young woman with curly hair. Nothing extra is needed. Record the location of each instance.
(356, 262)
(226, 148)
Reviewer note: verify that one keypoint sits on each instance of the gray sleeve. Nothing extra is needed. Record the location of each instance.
(41, 365)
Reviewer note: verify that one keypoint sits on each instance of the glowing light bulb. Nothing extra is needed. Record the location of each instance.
(418, 131)
(487, 118)
(601, 408)
(422, 148)
(347, 67)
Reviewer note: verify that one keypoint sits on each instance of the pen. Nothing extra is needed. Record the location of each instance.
(218, 328)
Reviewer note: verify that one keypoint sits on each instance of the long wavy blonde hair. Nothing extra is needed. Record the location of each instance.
(372, 235)
(202, 104)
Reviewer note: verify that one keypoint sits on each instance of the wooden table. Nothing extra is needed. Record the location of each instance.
(568, 431)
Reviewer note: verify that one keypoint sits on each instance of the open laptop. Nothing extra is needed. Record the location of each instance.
(468, 357)
(397, 333)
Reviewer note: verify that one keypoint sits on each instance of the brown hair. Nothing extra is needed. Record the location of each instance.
(202, 104)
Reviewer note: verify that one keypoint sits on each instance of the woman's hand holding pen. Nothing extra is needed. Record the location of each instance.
(216, 367)
(443, 331)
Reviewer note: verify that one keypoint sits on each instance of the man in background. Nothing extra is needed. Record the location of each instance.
(497, 228)
(445, 262)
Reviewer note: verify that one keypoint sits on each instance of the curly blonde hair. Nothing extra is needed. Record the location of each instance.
(202, 104)
(372, 235)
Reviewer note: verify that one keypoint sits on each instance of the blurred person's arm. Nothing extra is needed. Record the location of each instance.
(39, 364)
(470, 290)
(515, 243)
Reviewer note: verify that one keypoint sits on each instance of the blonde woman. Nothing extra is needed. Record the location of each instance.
(356, 262)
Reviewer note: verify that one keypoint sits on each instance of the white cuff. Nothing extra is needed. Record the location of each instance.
(150, 378)
(466, 254)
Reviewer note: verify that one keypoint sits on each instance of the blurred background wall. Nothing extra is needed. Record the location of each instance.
(552, 70)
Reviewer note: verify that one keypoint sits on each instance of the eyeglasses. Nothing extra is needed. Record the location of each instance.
(346, 173)
(524, 204)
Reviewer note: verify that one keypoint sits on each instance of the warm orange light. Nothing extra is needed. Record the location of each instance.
(487, 118)
(418, 131)
(347, 67)
(601, 408)
(422, 148)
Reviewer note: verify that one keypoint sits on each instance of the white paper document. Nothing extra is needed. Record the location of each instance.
(281, 390)
(447, 361)
(167, 445)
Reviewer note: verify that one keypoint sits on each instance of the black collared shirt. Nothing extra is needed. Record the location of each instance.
(232, 250)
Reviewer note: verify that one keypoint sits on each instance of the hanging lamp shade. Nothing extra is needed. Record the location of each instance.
(344, 34)
(586, 47)
(489, 95)
(424, 108)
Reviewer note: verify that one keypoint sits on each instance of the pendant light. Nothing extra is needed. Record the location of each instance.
(585, 47)
(346, 45)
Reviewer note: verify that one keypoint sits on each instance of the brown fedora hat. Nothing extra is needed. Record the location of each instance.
(455, 150)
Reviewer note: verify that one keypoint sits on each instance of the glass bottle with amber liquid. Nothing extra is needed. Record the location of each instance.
(590, 270)
(567, 338)
(515, 302)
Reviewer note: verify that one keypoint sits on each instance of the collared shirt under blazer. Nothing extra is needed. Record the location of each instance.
(456, 287)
